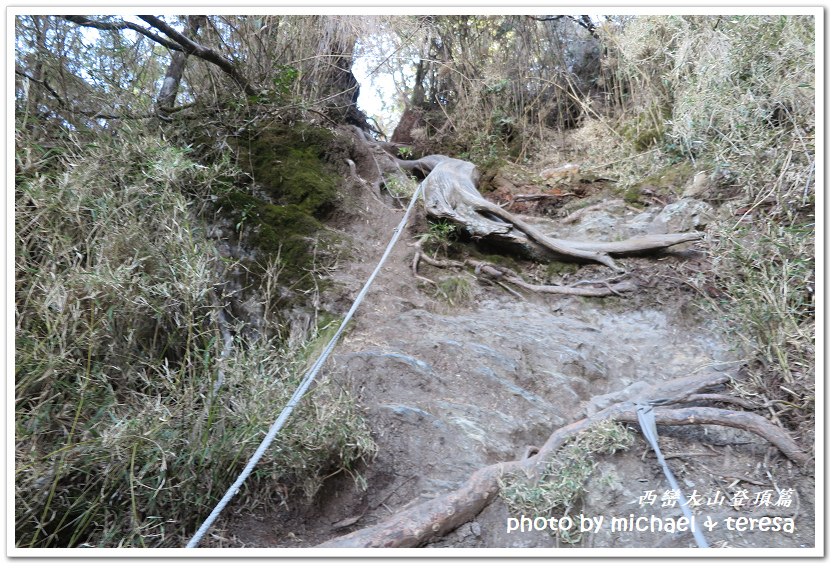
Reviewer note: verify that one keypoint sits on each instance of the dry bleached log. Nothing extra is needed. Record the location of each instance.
(451, 193)
(437, 517)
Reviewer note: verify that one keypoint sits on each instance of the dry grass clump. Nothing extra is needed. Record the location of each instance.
(120, 439)
(767, 273)
(564, 479)
(734, 96)
(721, 89)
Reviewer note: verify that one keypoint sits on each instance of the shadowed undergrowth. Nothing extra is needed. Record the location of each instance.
(120, 440)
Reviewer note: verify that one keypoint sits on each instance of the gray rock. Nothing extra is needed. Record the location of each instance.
(684, 216)
(698, 185)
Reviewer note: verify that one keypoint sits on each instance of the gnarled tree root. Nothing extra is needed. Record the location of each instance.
(436, 517)
(501, 274)
(451, 193)
(580, 212)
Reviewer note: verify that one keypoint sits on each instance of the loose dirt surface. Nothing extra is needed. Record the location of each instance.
(449, 389)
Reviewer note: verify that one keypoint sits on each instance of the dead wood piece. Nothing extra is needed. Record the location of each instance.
(510, 290)
(451, 193)
(609, 289)
(423, 165)
(738, 478)
(416, 525)
(501, 274)
(441, 263)
(635, 245)
(415, 260)
(509, 275)
(616, 289)
(353, 172)
(536, 197)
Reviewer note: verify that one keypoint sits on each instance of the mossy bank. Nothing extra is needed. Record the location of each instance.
(290, 187)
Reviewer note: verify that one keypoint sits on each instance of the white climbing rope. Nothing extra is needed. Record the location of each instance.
(645, 415)
(304, 384)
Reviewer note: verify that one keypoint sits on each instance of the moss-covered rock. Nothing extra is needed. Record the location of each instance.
(271, 230)
(290, 184)
(292, 165)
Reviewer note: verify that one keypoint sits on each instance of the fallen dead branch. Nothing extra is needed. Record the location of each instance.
(436, 517)
(738, 478)
(538, 197)
(632, 246)
(509, 275)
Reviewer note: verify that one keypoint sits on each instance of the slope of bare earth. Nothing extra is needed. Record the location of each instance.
(449, 389)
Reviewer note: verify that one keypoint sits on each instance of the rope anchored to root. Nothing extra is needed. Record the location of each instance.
(417, 525)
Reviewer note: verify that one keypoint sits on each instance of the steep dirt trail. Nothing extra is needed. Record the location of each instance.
(449, 390)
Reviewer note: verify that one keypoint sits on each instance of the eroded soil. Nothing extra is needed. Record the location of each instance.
(448, 389)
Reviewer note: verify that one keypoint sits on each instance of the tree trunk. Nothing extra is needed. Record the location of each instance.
(170, 86)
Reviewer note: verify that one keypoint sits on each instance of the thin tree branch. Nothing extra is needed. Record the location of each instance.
(44, 84)
(545, 19)
(179, 43)
(92, 114)
(583, 21)
(192, 48)
(117, 26)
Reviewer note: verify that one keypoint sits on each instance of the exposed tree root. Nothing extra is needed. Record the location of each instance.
(451, 193)
(500, 274)
(638, 245)
(358, 179)
(388, 147)
(720, 398)
(505, 274)
(436, 517)
(736, 419)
